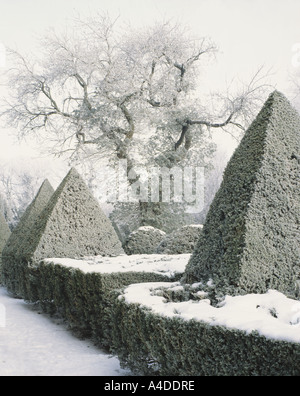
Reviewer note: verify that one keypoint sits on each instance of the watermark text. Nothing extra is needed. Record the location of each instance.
(154, 184)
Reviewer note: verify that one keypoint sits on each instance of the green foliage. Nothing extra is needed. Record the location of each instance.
(13, 255)
(86, 301)
(147, 343)
(66, 223)
(181, 241)
(4, 232)
(164, 216)
(150, 344)
(144, 240)
(250, 240)
(72, 225)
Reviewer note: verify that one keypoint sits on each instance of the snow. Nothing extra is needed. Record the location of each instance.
(33, 344)
(167, 265)
(272, 314)
(148, 228)
(36, 345)
(193, 226)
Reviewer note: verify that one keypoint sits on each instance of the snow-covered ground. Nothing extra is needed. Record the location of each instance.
(33, 344)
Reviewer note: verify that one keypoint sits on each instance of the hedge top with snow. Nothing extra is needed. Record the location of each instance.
(144, 240)
(251, 238)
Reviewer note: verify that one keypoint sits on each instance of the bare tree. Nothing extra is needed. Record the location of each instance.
(20, 180)
(17, 191)
(100, 91)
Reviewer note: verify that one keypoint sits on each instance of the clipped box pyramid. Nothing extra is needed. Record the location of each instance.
(4, 236)
(4, 232)
(251, 238)
(13, 251)
(69, 224)
(72, 225)
(14, 244)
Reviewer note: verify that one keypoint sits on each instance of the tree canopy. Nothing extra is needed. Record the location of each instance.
(102, 87)
(104, 92)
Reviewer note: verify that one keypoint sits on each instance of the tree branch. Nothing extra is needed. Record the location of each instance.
(84, 85)
(186, 128)
(47, 92)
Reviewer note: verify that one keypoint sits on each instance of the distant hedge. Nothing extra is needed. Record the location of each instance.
(150, 344)
(181, 241)
(144, 240)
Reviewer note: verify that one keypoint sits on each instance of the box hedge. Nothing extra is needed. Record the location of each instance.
(150, 344)
(12, 270)
(85, 300)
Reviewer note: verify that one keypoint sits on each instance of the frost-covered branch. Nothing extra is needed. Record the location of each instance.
(129, 93)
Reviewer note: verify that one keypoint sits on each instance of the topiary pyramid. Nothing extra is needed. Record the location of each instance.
(4, 232)
(4, 235)
(26, 222)
(251, 238)
(13, 250)
(72, 225)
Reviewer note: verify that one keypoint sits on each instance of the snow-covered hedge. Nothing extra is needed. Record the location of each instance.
(83, 291)
(168, 328)
(245, 336)
(144, 240)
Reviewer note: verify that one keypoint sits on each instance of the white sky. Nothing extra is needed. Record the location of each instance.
(249, 33)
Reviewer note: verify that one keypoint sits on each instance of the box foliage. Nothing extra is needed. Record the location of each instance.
(251, 240)
(150, 344)
(85, 300)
